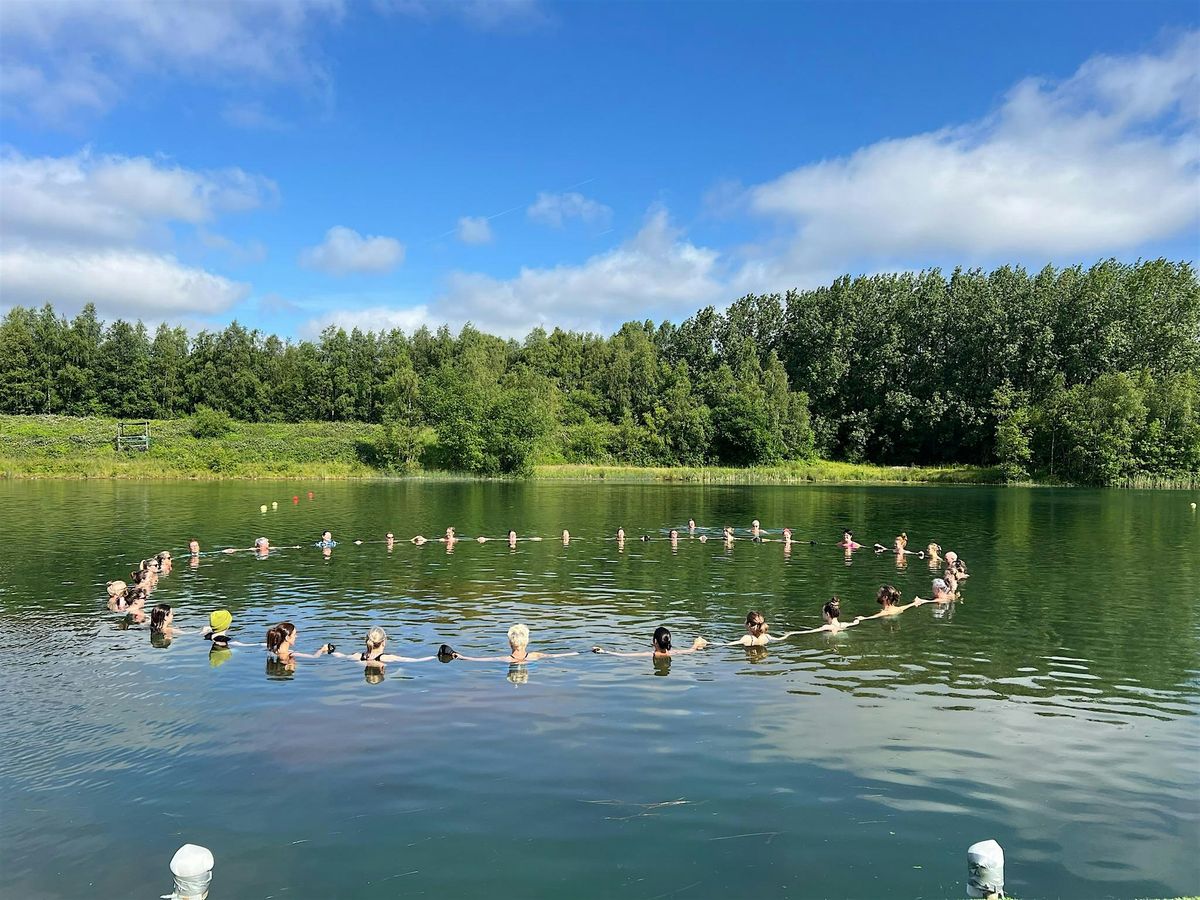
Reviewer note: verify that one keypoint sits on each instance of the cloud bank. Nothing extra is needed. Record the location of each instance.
(344, 251)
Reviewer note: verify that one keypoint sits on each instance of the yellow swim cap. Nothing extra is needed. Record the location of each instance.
(220, 620)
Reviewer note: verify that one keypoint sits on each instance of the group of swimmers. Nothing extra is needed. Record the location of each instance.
(130, 598)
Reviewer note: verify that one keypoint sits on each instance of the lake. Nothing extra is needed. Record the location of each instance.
(1053, 709)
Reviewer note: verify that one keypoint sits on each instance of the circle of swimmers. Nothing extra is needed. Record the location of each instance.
(130, 598)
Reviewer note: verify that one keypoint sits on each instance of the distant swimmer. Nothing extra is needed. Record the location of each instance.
(326, 540)
(165, 562)
(449, 537)
(620, 535)
(661, 644)
(932, 553)
(419, 540)
(728, 532)
(644, 538)
(787, 535)
(518, 643)
(703, 539)
(374, 654)
(755, 530)
(847, 542)
(691, 526)
(956, 565)
(390, 540)
(261, 546)
(512, 538)
(281, 643)
(756, 632)
(674, 538)
(889, 600)
(566, 537)
(194, 547)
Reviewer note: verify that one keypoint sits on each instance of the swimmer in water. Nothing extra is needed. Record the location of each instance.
(566, 537)
(932, 554)
(326, 540)
(620, 535)
(661, 644)
(956, 565)
(162, 619)
(941, 593)
(449, 537)
(830, 613)
(165, 563)
(374, 654)
(261, 546)
(691, 526)
(728, 532)
(194, 547)
(218, 624)
(889, 600)
(281, 643)
(787, 535)
(754, 529)
(419, 540)
(674, 538)
(390, 540)
(518, 643)
(703, 538)
(512, 538)
(847, 542)
(115, 590)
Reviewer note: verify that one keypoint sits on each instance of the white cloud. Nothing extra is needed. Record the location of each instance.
(474, 230)
(344, 251)
(1103, 161)
(251, 115)
(79, 229)
(655, 274)
(114, 199)
(123, 281)
(483, 14)
(555, 209)
(54, 48)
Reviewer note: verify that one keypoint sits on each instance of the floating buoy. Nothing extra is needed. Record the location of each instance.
(985, 870)
(274, 504)
(263, 508)
(192, 867)
(296, 499)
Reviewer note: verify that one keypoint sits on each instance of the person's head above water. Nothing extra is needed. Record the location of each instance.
(160, 617)
(940, 588)
(262, 544)
(376, 639)
(951, 557)
(278, 635)
(326, 536)
(220, 620)
(518, 637)
(756, 623)
(662, 639)
(887, 596)
(117, 588)
(193, 546)
(831, 610)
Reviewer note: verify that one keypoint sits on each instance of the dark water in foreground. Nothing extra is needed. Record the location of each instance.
(1054, 709)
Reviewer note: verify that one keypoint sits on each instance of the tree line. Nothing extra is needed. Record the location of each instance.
(1089, 376)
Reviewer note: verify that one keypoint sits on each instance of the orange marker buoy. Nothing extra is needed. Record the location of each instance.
(296, 499)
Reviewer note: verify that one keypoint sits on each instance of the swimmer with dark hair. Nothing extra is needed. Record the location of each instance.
(889, 599)
(194, 547)
(831, 612)
(374, 654)
(848, 542)
(281, 643)
(162, 618)
(691, 526)
(326, 540)
(661, 644)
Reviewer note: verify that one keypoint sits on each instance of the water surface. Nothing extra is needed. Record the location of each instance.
(1054, 709)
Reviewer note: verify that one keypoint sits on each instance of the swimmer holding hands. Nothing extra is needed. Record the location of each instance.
(518, 642)
(661, 646)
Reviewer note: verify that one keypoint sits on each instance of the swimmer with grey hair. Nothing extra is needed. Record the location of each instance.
(374, 655)
(518, 642)
(941, 593)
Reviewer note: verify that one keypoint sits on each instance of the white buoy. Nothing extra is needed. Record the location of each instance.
(192, 867)
(263, 508)
(985, 870)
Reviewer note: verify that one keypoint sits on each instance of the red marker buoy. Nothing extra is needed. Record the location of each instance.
(296, 499)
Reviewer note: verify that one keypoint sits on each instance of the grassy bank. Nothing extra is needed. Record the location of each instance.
(64, 447)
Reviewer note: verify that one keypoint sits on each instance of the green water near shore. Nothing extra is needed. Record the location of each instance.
(1053, 709)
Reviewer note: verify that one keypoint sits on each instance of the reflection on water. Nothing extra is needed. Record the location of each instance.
(1053, 708)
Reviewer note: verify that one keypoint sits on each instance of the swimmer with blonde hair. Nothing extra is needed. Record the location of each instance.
(374, 655)
(661, 646)
(518, 642)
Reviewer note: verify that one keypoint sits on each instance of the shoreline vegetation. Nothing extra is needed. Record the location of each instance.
(1081, 376)
(80, 448)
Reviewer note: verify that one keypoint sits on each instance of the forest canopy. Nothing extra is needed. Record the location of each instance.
(1079, 375)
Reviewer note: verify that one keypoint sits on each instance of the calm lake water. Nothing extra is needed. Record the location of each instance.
(1054, 709)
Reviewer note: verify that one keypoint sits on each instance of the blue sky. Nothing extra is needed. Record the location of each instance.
(400, 162)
